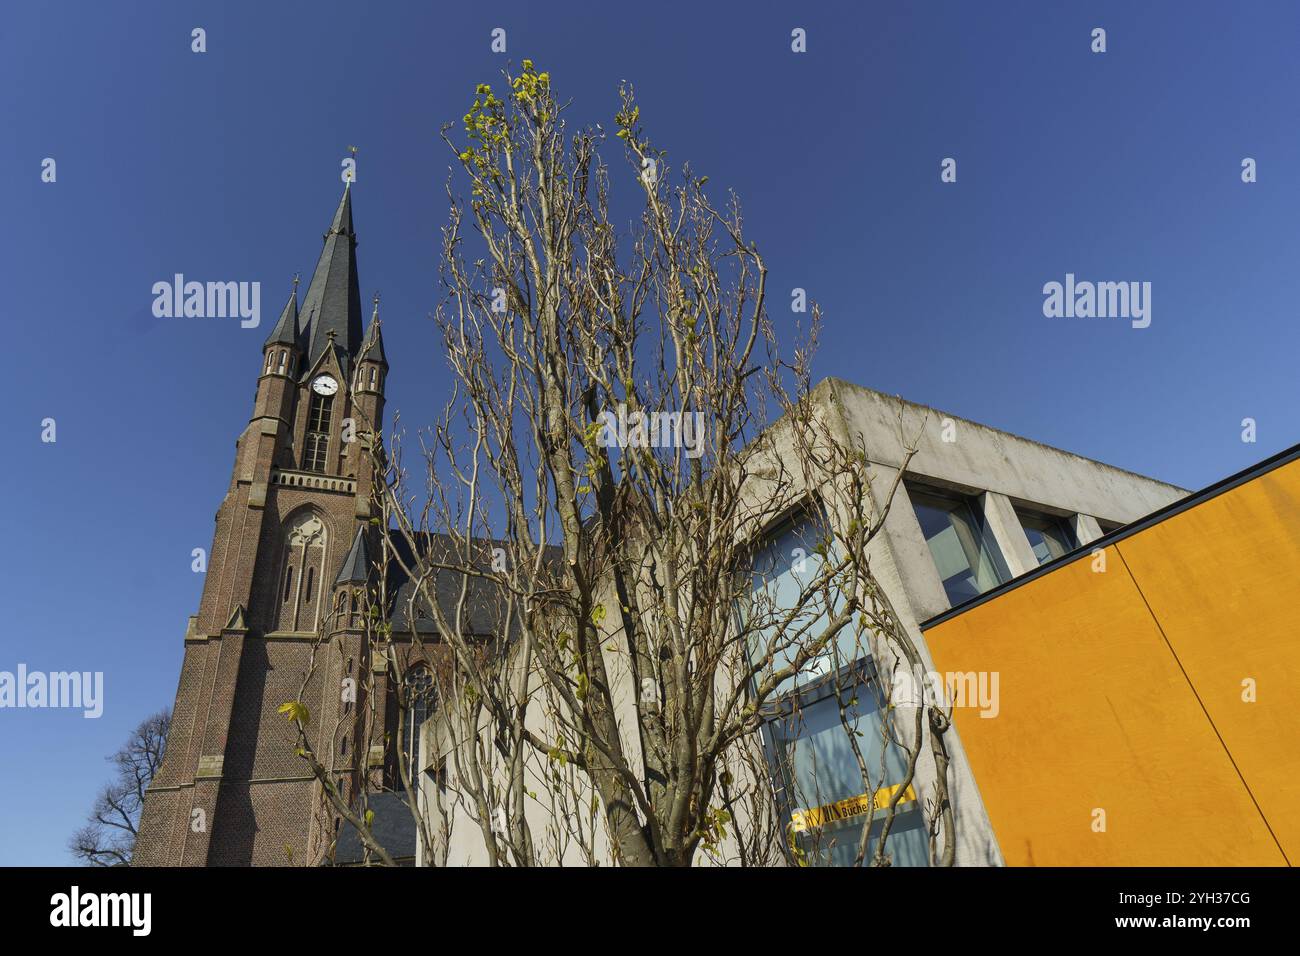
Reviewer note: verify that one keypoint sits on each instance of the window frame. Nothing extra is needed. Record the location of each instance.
(859, 675)
(977, 525)
(1053, 522)
(316, 441)
(427, 697)
(807, 509)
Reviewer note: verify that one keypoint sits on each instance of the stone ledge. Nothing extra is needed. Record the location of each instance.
(176, 787)
(257, 495)
(210, 766)
(293, 636)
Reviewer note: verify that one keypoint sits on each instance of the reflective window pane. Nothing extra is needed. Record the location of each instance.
(826, 796)
(965, 554)
(1049, 537)
(829, 796)
(783, 569)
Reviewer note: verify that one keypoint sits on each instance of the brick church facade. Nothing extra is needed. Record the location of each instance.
(288, 584)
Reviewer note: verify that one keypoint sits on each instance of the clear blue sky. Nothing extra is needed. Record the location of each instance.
(225, 166)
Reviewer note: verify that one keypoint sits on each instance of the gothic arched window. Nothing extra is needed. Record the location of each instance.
(316, 447)
(304, 548)
(418, 696)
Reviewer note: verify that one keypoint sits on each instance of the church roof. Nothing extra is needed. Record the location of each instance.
(393, 828)
(356, 566)
(373, 350)
(333, 300)
(485, 610)
(286, 331)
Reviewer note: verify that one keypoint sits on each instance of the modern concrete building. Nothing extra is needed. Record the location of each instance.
(976, 508)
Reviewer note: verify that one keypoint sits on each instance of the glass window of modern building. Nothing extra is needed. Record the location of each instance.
(821, 721)
(785, 576)
(828, 798)
(1049, 536)
(963, 549)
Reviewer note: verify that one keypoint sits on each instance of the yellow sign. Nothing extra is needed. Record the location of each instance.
(802, 820)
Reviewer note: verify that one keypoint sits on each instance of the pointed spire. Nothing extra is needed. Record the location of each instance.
(373, 349)
(356, 566)
(286, 330)
(333, 300)
(342, 224)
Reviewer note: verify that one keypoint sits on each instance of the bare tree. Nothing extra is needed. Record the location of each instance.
(587, 519)
(108, 837)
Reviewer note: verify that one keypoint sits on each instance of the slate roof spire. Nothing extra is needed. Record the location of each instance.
(286, 331)
(333, 300)
(356, 566)
(373, 350)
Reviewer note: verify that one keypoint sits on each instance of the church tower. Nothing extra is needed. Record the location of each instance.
(283, 598)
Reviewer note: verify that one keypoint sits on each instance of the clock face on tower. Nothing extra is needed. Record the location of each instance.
(324, 385)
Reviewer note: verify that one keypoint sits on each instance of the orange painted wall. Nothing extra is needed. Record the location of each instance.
(1122, 690)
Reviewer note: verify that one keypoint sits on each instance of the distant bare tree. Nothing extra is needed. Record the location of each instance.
(108, 838)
